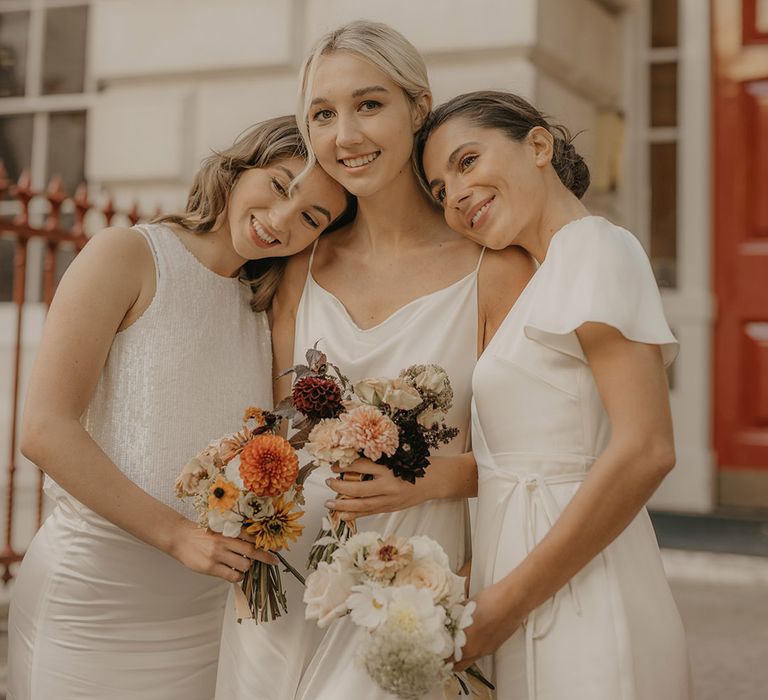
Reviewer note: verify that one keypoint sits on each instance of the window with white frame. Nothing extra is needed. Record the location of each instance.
(661, 130)
(44, 98)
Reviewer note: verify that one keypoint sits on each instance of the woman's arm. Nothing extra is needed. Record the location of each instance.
(502, 276)
(633, 387)
(107, 286)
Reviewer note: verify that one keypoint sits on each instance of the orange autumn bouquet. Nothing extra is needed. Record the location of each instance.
(251, 481)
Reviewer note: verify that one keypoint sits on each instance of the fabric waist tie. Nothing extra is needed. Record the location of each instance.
(532, 488)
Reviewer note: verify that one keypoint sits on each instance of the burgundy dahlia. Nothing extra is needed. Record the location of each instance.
(317, 397)
(411, 458)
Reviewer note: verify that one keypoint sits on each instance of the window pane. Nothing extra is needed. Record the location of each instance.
(16, 144)
(761, 16)
(14, 28)
(7, 249)
(64, 54)
(663, 94)
(663, 23)
(66, 148)
(664, 213)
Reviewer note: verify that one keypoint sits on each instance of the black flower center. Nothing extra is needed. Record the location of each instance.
(218, 492)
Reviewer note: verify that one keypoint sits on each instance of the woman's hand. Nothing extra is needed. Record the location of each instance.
(211, 553)
(380, 492)
(447, 476)
(493, 622)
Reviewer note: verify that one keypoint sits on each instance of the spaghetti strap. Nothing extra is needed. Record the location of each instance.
(477, 267)
(312, 256)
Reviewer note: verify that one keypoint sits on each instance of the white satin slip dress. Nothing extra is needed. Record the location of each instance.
(96, 613)
(291, 657)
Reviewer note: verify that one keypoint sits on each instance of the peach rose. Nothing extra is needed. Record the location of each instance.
(428, 575)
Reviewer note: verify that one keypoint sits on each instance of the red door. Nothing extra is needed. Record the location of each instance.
(740, 57)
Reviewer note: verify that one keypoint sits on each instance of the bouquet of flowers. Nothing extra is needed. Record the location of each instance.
(394, 422)
(409, 606)
(251, 479)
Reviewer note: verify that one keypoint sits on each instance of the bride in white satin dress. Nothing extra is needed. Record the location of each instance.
(571, 423)
(394, 288)
(153, 340)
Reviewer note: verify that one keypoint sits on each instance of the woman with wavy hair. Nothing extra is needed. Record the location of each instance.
(393, 288)
(155, 342)
(571, 425)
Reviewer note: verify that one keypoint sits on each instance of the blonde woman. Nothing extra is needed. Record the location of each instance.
(393, 288)
(153, 341)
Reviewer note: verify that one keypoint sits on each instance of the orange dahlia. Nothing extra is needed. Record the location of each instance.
(268, 465)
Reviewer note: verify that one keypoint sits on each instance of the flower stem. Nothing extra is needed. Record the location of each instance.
(290, 569)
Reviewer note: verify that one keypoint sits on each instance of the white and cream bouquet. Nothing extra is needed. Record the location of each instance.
(409, 606)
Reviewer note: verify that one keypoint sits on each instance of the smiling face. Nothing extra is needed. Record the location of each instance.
(265, 221)
(361, 123)
(491, 187)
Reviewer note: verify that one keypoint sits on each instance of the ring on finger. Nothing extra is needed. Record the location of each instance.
(355, 476)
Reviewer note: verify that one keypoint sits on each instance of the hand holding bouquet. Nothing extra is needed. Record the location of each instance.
(394, 422)
(250, 480)
(408, 605)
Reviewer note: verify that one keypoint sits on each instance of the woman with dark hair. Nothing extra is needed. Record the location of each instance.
(150, 349)
(571, 425)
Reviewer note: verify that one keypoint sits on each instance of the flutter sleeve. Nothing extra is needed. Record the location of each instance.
(598, 272)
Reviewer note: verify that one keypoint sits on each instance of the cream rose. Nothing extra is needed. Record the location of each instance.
(426, 574)
(401, 395)
(430, 418)
(432, 378)
(194, 477)
(227, 522)
(326, 593)
(394, 392)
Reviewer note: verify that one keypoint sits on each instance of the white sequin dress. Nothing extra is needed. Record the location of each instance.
(291, 657)
(538, 424)
(97, 614)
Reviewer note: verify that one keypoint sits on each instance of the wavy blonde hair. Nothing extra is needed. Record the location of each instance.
(380, 44)
(258, 147)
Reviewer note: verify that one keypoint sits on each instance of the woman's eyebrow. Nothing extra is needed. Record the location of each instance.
(371, 88)
(323, 211)
(452, 159)
(287, 172)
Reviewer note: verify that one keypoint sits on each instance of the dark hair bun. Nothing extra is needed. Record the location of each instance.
(570, 166)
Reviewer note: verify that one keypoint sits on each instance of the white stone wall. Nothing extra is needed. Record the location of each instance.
(179, 77)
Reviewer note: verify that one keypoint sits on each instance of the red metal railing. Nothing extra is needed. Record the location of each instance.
(54, 234)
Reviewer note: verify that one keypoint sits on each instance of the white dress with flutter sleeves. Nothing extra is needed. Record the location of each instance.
(538, 424)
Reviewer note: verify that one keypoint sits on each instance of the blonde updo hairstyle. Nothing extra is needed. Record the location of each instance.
(384, 47)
